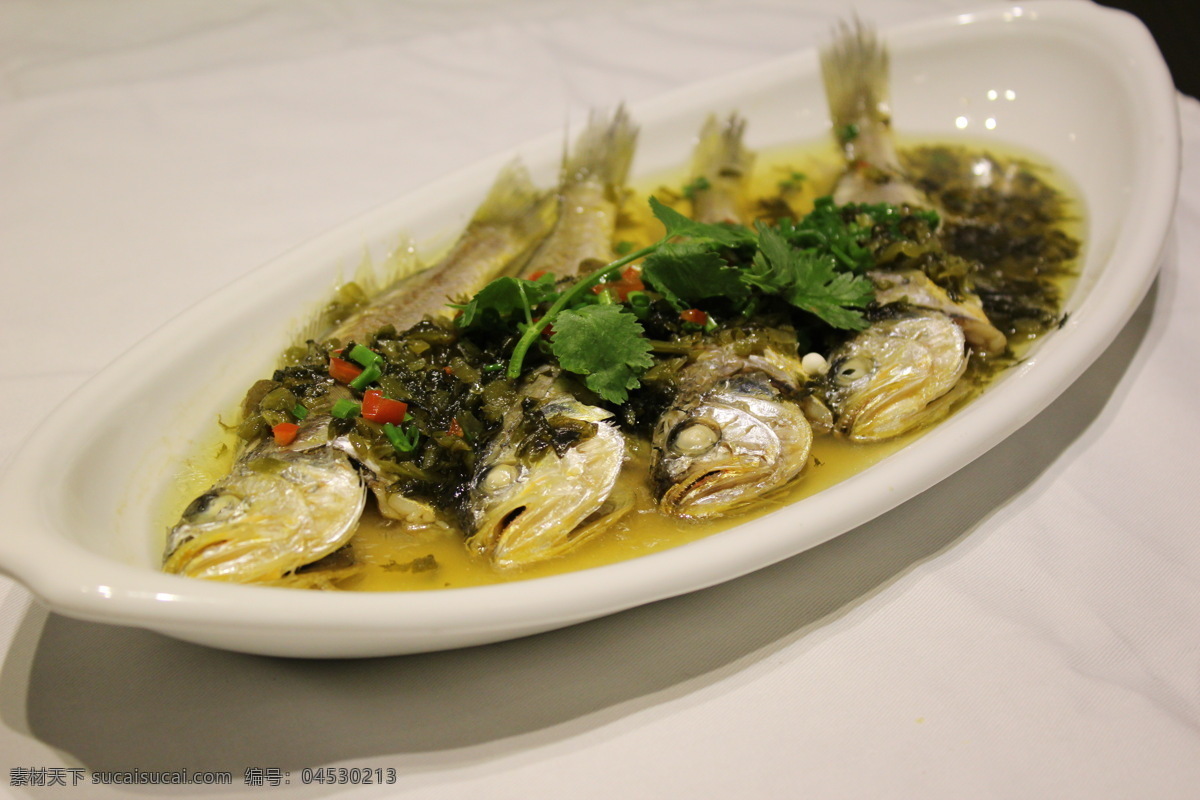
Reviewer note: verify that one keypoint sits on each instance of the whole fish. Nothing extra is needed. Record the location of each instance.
(282, 507)
(892, 377)
(734, 429)
(855, 71)
(528, 502)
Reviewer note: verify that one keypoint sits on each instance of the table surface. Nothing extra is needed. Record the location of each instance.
(1040, 641)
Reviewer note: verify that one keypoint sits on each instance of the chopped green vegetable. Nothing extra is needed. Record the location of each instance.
(345, 409)
(404, 441)
(369, 375)
(700, 184)
(364, 356)
(792, 182)
(299, 411)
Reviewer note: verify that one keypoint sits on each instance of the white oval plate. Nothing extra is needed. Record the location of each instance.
(1082, 86)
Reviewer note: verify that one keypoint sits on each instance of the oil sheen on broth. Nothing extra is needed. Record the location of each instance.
(965, 177)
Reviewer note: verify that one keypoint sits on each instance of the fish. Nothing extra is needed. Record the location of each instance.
(591, 186)
(721, 167)
(503, 233)
(734, 429)
(528, 503)
(282, 507)
(897, 375)
(916, 289)
(543, 484)
(855, 70)
(734, 432)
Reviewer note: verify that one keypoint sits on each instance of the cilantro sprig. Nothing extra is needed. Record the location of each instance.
(816, 265)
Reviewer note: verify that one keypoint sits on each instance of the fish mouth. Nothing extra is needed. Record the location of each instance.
(220, 555)
(712, 490)
(885, 409)
(523, 532)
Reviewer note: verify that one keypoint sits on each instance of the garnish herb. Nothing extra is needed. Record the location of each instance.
(816, 265)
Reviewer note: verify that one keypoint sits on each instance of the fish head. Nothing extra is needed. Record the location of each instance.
(887, 379)
(277, 510)
(527, 506)
(738, 441)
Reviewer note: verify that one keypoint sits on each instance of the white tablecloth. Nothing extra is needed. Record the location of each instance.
(1029, 628)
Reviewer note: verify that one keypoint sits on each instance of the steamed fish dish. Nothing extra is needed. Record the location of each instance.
(609, 366)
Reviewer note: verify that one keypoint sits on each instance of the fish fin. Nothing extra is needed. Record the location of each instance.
(720, 149)
(513, 198)
(604, 150)
(369, 280)
(855, 69)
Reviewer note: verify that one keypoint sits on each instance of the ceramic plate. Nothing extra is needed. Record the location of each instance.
(1083, 87)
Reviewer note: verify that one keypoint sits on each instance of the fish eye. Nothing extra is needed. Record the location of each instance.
(693, 438)
(852, 369)
(498, 478)
(208, 507)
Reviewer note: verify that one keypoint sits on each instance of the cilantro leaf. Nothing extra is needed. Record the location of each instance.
(809, 280)
(504, 298)
(687, 272)
(606, 345)
(722, 234)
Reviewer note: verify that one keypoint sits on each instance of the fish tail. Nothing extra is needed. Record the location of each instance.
(604, 151)
(721, 167)
(855, 68)
(720, 148)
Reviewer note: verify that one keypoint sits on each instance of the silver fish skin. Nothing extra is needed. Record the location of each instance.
(897, 375)
(734, 433)
(734, 430)
(855, 68)
(527, 507)
(280, 508)
(591, 184)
